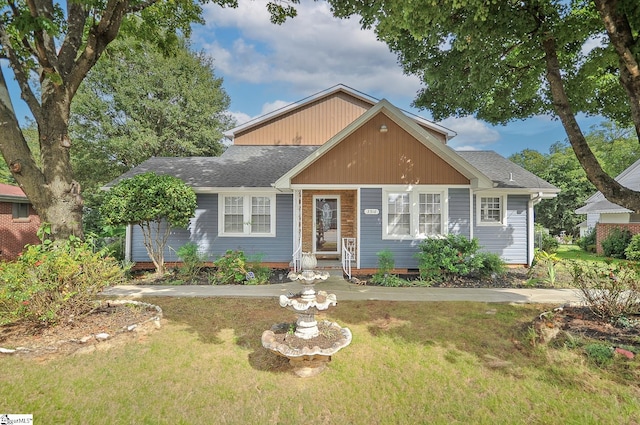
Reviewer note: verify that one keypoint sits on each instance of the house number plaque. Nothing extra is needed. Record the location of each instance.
(372, 211)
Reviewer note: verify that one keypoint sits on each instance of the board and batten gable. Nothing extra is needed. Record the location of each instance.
(510, 241)
(368, 156)
(203, 230)
(311, 124)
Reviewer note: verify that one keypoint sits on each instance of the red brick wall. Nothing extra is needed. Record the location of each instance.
(16, 233)
(604, 229)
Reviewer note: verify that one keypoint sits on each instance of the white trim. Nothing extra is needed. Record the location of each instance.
(338, 229)
(243, 190)
(503, 209)
(246, 213)
(471, 215)
(375, 186)
(414, 193)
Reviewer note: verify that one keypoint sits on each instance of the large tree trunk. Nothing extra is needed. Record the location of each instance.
(610, 188)
(51, 190)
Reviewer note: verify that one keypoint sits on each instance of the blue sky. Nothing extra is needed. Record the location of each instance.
(266, 66)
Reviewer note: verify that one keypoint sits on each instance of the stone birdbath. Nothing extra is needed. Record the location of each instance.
(308, 345)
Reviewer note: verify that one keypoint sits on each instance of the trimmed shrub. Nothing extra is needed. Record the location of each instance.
(490, 264)
(52, 282)
(448, 258)
(616, 242)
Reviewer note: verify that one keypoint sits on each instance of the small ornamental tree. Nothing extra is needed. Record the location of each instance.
(155, 203)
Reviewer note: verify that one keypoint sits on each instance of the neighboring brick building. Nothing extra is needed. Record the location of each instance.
(18, 222)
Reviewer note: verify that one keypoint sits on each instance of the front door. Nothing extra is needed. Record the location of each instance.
(326, 222)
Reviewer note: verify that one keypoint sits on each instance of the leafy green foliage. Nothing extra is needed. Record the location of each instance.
(632, 252)
(384, 275)
(599, 354)
(52, 282)
(155, 203)
(548, 261)
(615, 244)
(234, 268)
(490, 264)
(138, 102)
(450, 257)
(60, 42)
(614, 146)
(610, 292)
(192, 261)
(588, 241)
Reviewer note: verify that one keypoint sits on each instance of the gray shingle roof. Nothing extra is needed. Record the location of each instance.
(238, 166)
(261, 166)
(504, 173)
(597, 203)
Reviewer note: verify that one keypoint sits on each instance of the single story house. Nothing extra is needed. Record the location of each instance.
(604, 215)
(345, 176)
(19, 222)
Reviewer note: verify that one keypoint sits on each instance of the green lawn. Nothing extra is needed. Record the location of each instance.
(409, 363)
(573, 252)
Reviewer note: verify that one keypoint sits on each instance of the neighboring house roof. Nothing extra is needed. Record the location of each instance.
(602, 207)
(597, 203)
(10, 193)
(324, 94)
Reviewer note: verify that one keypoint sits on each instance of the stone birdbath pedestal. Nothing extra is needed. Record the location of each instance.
(309, 345)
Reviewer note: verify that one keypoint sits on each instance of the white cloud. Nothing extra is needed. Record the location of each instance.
(273, 106)
(473, 134)
(309, 53)
(240, 117)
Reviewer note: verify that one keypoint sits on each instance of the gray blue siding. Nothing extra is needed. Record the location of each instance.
(403, 250)
(459, 208)
(510, 241)
(203, 230)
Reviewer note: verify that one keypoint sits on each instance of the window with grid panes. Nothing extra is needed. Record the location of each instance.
(491, 209)
(398, 214)
(430, 214)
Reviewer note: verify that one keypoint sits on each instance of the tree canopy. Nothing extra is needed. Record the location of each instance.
(154, 202)
(615, 147)
(507, 60)
(51, 46)
(138, 102)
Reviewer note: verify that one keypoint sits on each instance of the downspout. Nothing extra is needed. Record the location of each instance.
(530, 251)
(128, 255)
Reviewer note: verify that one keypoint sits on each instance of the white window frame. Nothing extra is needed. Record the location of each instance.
(414, 211)
(246, 213)
(503, 209)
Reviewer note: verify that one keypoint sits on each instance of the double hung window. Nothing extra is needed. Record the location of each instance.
(491, 210)
(416, 213)
(247, 215)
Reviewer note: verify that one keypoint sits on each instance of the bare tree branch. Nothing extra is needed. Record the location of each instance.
(22, 76)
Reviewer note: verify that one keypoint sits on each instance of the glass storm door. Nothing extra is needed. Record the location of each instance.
(326, 222)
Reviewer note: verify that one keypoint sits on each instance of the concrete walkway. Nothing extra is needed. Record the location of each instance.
(348, 291)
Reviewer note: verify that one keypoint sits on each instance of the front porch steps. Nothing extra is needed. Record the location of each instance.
(334, 267)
